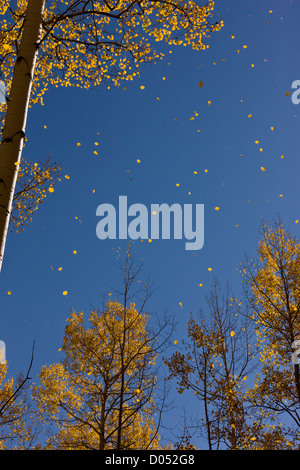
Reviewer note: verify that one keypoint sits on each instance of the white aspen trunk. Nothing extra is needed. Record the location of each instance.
(15, 120)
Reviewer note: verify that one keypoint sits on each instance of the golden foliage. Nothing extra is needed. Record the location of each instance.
(85, 43)
(106, 365)
(33, 182)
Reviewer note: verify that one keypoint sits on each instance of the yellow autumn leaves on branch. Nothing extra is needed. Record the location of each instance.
(85, 43)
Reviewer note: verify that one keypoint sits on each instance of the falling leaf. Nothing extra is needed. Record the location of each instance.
(60, 269)
(9, 292)
(209, 103)
(65, 292)
(180, 304)
(74, 252)
(209, 269)
(51, 190)
(200, 84)
(175, 342)
(142, 87)
(217, 208)
(67, 177)
(262, 168)
(232, 333)
(138, 161)
(78, 144)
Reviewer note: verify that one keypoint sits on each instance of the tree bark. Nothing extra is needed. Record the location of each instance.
(15, 122)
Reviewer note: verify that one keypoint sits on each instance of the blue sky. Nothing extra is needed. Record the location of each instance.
(133, 124)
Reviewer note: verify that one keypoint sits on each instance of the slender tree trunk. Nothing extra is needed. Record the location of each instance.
(17, 107)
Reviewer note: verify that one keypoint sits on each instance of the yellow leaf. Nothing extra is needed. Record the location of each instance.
(65, 292)
(232, 333)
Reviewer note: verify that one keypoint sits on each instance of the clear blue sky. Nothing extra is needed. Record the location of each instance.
(133, 124)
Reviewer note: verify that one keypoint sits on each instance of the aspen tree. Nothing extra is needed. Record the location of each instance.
(81, 43)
